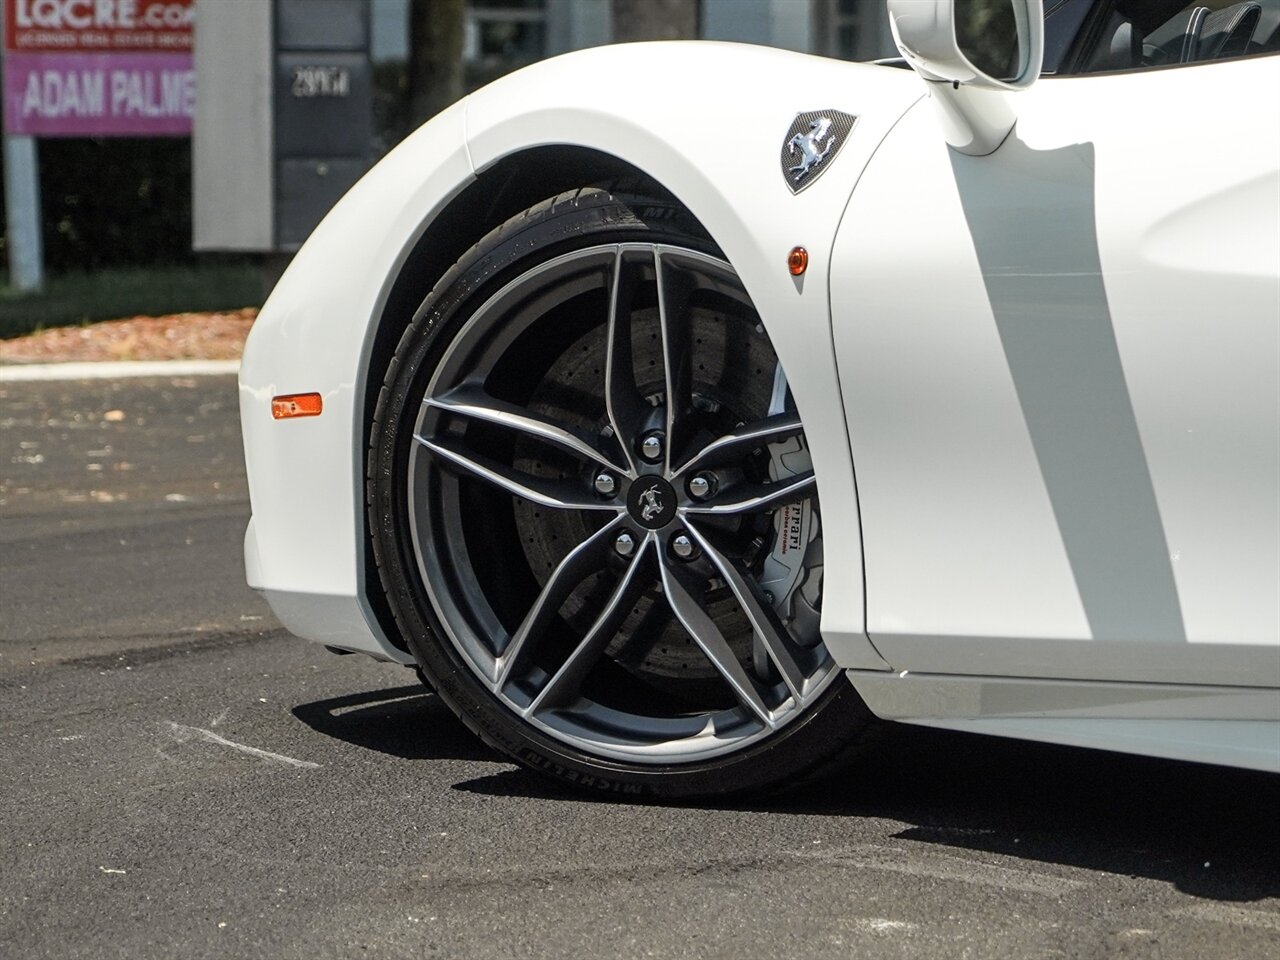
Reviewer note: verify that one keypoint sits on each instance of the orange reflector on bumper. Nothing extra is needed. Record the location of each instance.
(798, 261)
(296, 405)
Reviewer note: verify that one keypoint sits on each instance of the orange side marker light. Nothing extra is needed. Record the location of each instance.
(798, 261)
(296, 405)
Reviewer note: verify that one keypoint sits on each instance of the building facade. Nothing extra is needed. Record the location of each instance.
(509, 33)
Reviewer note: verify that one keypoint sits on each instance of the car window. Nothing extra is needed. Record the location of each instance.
(1062, 22)
(1144, 34)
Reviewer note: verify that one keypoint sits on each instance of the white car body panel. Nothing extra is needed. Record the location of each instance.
(304, 547)
(719, 154)
(1005, 533)
(966, 565)
(1237, 726)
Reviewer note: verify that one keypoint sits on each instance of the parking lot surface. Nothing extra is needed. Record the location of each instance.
(182, 778)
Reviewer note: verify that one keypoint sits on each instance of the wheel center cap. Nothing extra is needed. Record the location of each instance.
(651, 501)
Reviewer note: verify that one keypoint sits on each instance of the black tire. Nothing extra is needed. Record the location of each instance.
(474, 523)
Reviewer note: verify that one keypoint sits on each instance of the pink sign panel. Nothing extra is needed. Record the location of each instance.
(99, 94)
(98, 68)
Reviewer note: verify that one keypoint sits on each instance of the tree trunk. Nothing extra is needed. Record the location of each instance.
(435, 56)
(655, 20)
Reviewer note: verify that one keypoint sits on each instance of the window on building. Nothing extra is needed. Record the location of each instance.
(851, 30)
(502, 35)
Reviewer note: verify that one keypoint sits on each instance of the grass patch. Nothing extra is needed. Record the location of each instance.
(79, 298)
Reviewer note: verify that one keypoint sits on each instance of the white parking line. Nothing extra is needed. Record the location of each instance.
(183, 732)
(18, 373)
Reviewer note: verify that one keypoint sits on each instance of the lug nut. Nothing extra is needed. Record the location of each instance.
(682, 546)
(651, 447)
(605, 484)
(625, 544)
(703, 486)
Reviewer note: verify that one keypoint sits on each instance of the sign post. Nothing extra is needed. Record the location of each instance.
(22, 213)
(86, 68)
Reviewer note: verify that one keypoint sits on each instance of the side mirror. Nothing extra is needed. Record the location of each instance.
(971, 53)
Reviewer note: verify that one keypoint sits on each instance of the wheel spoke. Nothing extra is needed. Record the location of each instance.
(675, 287)
(679, 589)
(568, 679)
(792, 661)
(556, 494)
(756, 497)
(582, 560)
(626, 407)
(743, 440)
(472, 401)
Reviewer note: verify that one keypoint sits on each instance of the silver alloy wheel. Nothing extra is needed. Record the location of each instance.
(666, 555)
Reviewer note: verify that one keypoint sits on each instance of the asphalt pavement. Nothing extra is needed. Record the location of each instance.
(181, 778)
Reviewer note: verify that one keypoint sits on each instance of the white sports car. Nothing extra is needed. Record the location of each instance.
(681, 411)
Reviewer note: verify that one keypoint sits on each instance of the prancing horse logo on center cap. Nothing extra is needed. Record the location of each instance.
(811, 145)
(650, 504)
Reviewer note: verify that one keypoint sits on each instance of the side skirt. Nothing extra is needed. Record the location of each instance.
(1231, 726)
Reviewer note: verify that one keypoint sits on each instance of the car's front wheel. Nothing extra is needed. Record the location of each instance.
(594, 513)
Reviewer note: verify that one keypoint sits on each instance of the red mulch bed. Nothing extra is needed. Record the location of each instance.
(179, 336)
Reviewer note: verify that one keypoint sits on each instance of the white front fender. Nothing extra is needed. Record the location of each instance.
(709, 122)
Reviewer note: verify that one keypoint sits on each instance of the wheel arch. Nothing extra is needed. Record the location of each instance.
(514, 183)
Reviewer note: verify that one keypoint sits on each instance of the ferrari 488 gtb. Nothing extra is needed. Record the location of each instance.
(681, 411)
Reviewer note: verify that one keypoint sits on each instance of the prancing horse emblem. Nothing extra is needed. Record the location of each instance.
(811, 145)
(808, 144)
(650, 504)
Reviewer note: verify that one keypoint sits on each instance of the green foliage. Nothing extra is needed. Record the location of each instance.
(115, 202)
(116, 215)
(111, 293)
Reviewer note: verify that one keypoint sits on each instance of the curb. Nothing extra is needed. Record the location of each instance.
(27, 373)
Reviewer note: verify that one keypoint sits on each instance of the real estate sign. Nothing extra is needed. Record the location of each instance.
(98, 68)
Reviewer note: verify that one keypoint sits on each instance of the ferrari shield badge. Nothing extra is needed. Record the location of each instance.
(811, 145)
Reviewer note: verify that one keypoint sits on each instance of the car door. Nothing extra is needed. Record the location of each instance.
(1060, 367)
